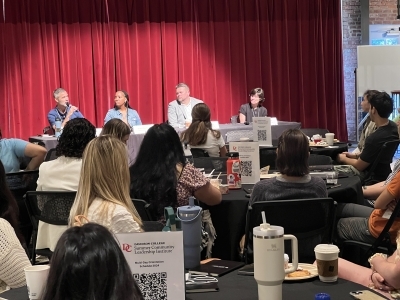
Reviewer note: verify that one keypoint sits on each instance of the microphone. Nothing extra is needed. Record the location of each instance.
(67, 104)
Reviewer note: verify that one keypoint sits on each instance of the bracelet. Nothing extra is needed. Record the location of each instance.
(384, 256)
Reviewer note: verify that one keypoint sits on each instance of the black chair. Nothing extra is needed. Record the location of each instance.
(310, 220)
(196, 152)
(211, 163)
(51, 155)
(268, 157)
(149, 226)
(385, 156)
(316, 160)
(311, 131)
(49, 207)
(382, 244)
(19, 183)
(144, 210)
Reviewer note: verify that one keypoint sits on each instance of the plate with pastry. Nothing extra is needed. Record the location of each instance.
(321, 144)
(304, 271)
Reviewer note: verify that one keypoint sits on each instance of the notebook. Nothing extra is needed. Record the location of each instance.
(217, 268)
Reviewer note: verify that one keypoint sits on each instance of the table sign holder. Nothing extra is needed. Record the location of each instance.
(156, 259)
(141, 129)
(262, 131)
(249, 155)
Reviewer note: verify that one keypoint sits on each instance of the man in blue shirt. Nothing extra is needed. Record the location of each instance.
(63, 109)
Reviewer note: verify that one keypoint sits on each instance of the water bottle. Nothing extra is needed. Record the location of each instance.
(58, 127)
(322, 296)
(233, 171)
(190, 217)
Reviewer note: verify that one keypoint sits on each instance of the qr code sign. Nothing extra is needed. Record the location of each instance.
(246, 167)
(152, 285)
(262, 135)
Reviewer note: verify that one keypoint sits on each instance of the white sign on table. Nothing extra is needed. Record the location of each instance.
(249, 155)
(141, 129)
(156, 261)
(262, 130)
(215, 125)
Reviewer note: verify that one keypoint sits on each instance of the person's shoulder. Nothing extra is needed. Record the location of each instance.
(317, 180)
(5, 225)
(52, 111)
(195, 100)
(13, 142)
(173, 103)
(132, 110)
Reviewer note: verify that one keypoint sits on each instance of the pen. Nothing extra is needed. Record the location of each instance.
(333, 186)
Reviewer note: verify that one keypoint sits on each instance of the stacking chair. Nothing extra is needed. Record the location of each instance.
(316, 160)
(144, 210)
(211, 163)
(235, 135)
(196, 152)
(19, 183)
(234, 119)
(310, 220)
(382, 244)
(51, 155)
(49, 207)
(385, 155)
(311, 131)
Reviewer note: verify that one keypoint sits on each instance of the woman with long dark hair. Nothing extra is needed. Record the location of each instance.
(89, 264)
(161, 175)
(13, 258)
(201, 135)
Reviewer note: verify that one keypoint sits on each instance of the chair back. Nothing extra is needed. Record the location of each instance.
(310, 220)
(317, 160)
(149, 226)
(197, 152)
(51, 155)
(235, 135)
(19, 183)
(311, 131)
(234, 119)
(385, 156)
(211, 163)
(144, 210)
(268, 157)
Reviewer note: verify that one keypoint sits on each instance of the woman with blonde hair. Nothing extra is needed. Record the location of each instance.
(117, 128)
(103, 191)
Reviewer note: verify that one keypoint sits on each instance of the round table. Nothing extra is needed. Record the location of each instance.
(331, 151)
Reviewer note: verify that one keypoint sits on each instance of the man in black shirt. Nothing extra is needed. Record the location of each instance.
(380, 110)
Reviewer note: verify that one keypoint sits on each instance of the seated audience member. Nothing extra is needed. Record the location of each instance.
(369, 126)
(118, 129)
(89, 264)
(123, 111)
(364, 224)
(201, 135)
(13, 258)
(381, 106)
(254, 107)
(103, 191)
(62, 174)
(63, 109)
(373, 191)
(161, 175)
(295, 182)
(384, 274)
(14, 150)
(180, 110)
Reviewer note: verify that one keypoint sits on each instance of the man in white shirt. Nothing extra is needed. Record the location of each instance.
(180, 110)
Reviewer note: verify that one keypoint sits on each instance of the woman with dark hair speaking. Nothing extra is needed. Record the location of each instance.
(294, 182)
(201, 135)
(89, 264)
(161, 175)
(123, 111)
(13, 258)
(254, 107)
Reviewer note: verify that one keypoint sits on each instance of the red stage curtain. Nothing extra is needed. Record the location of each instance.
(220, 48)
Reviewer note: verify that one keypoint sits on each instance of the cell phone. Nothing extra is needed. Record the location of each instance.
(333, 186)
(248, 191)
(366, 295)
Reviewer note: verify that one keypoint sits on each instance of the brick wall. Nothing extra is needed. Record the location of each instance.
(380, 12)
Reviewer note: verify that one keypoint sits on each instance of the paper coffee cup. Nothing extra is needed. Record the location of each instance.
(327, 262)
(329, 138)
(36, 278)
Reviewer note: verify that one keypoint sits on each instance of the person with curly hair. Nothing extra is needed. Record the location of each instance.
(62, 174)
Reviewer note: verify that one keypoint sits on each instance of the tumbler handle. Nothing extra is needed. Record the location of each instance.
(295, 256)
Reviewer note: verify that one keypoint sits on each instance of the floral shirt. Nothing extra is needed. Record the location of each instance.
(189, 181)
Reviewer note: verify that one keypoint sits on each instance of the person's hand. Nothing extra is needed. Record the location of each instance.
(392, 204)
(350, 155)
(340, 157)
(72, 109)
(379, 282)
